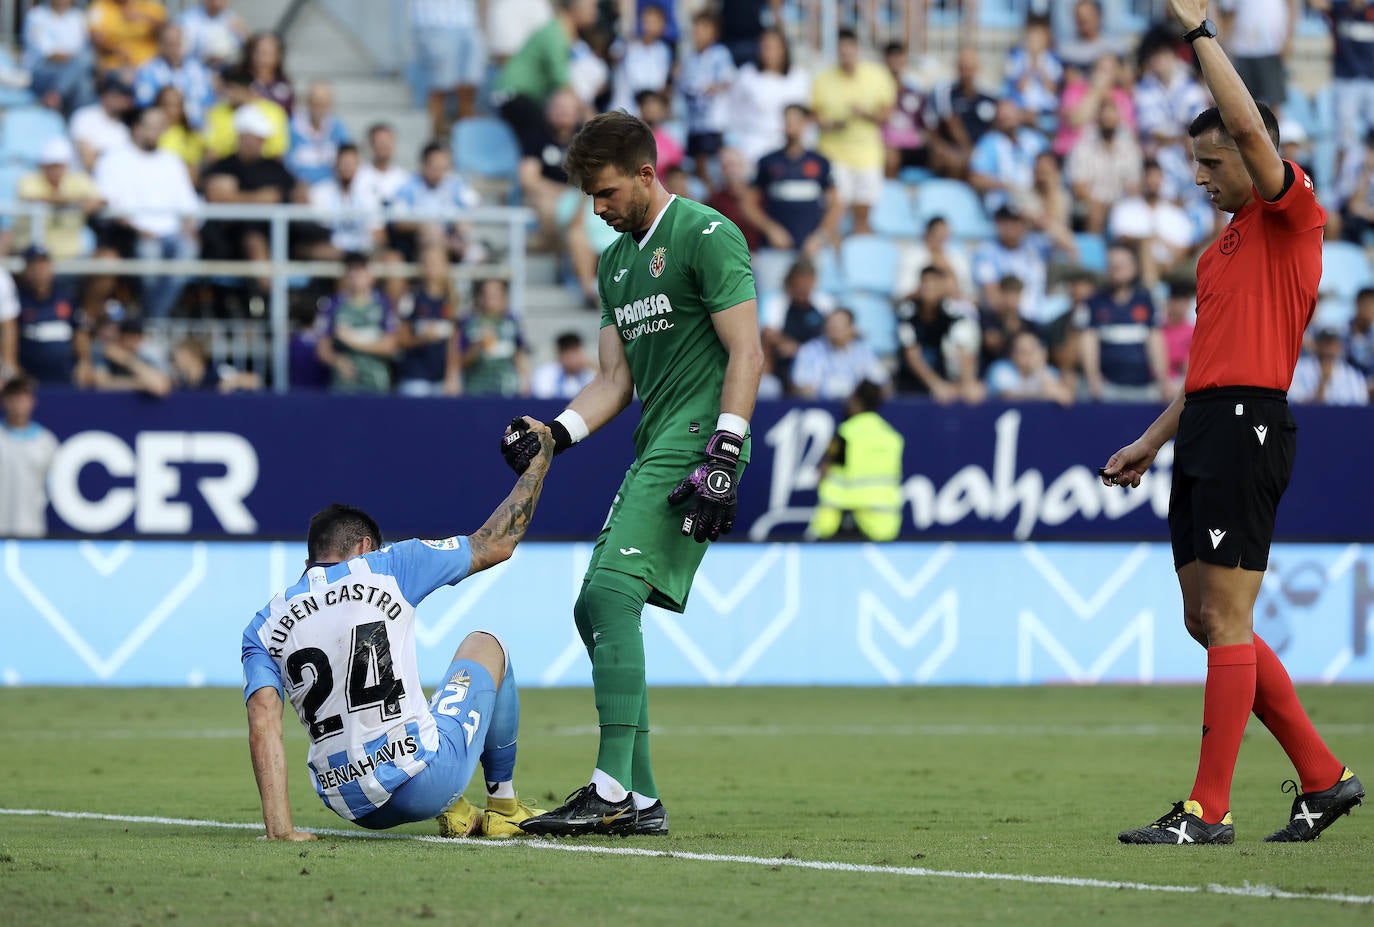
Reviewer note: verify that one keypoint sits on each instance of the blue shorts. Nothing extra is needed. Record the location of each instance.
(451, 58)
(462, 710)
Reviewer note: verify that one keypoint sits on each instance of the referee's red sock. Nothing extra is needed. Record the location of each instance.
(1277, 705)
(1226, 704)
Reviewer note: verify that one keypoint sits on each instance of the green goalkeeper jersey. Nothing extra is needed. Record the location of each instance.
(659, 293)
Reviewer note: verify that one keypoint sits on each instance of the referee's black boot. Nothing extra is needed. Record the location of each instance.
(584, 812)
(1183, 824)
(1314, 812)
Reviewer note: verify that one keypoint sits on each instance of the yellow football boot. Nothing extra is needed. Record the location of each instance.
(460, 820)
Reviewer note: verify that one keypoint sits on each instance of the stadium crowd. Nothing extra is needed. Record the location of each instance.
(1032, 239)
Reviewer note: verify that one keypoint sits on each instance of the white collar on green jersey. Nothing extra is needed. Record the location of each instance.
(657, 219)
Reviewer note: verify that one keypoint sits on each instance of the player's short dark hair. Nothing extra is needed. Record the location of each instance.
(846, 34)
(337, 529)
(1210, 120)
(868, 396)
(20, 385)
(615, 139)
(567, 341)
(1364, 293)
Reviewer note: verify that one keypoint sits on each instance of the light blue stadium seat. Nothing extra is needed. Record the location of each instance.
(11, 97)
(875, 320)
(894, 214)
(1092, 252)
(9, 180)
(869, 263)
(914, 175)
(25, 131)
(486, 146)
(1345, 269)
(958, 203)
(1299, 108)
(829, 272)
(1323, 113)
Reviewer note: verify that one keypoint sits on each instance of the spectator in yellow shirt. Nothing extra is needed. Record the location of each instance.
(851, 102)
(124, 32)
(72, 195)
(222, 139)
(180, 139)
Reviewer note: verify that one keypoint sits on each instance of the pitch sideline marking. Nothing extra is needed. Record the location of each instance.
(1250, 891)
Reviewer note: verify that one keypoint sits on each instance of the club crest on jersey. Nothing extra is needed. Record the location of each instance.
(1230, 241)
(658, 262)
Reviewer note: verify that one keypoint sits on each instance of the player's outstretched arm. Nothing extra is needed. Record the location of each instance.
(495, 541)
(269, 764)
(601, 400)
(1237, 107)
(611, 390)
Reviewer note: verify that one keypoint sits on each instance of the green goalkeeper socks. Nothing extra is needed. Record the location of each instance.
(642, 770)
(613, 603)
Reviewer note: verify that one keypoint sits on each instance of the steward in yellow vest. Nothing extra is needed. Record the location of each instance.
(863, 472)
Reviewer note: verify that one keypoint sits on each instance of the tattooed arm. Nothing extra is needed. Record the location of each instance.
(495, 541)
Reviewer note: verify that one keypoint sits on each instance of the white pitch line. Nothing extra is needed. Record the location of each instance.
(725, 730)
(1248, 891)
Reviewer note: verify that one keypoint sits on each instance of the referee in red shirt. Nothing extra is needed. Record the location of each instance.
(1233, 454)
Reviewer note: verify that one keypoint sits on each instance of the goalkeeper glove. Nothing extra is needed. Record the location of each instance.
(519, 447)
(712, 489)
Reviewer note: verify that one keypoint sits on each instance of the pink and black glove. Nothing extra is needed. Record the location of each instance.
(712, 487)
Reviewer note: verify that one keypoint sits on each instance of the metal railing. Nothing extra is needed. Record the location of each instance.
(280, 269)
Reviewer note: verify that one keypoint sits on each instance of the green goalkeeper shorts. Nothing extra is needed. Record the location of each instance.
(643, 534)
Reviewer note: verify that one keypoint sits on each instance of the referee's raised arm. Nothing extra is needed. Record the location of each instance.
(1235, 104)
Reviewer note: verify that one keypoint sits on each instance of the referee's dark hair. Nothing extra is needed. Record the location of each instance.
(614, 139)
(336, 529)
(1210, 119)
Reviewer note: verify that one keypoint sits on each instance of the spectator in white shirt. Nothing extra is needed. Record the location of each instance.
(100, 127)
(829, 367)
(380, 176)
(1258, 35)
(707, 74)
(360, 234)
(150, 191)
(57, 52)
(1326, 377)
(644, 62)
(26, 454)
(434, 190)
(564, 377)
(1157, 227)
(214, 33)
(762, 94)
(1014, 252)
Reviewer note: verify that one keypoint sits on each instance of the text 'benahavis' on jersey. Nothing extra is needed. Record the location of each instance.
(341, 644)
(659, 293)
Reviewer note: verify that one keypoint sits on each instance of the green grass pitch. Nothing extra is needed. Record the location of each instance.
(910, 782)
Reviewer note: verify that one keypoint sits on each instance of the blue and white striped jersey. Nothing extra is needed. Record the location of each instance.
(340, 644)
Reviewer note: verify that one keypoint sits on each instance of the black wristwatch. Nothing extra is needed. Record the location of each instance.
(1207, 29)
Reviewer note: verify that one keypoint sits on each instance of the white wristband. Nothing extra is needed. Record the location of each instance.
(735, 424)
(576, 425)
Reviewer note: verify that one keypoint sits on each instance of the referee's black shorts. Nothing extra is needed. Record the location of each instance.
(1233, 456)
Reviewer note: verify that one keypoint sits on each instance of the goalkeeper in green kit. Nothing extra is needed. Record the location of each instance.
(679, 325)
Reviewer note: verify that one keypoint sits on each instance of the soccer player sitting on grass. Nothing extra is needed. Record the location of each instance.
(679, 325)
(340, 643)
(1233, 452)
